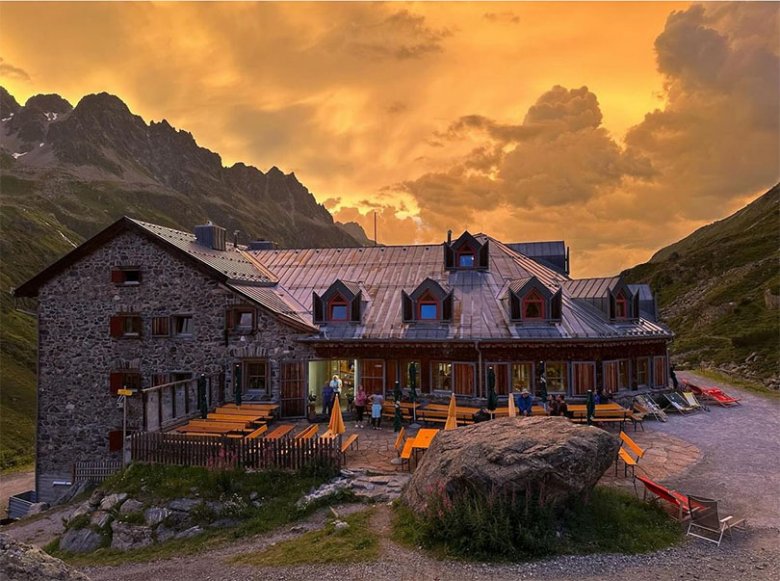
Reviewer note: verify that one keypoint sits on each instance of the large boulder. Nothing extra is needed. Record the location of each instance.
(549, 458)
(127, 537)
(80, 541)
(20, 562)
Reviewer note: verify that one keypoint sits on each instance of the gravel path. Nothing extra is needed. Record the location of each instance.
(14, 483)
(739, 466)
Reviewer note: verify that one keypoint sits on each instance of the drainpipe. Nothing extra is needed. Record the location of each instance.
(479, 368)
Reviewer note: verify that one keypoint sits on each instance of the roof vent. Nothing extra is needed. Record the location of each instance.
(262, 245)
(211, 236)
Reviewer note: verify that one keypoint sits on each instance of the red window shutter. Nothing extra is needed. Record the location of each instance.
(114, 440)
(117, 276)
(117, 326)
(115, 382)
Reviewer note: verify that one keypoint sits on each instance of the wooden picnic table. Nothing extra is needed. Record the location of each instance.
(536, 410)
(250, 418)
(599, 406)
(271, 407)
(424, 437)
(240, 423)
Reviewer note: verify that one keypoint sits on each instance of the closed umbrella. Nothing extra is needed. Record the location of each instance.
(590, 407)
(512, 410)
(397, 393)
(336, 423)
(203, 406)
(492, 398)
(413, 392)
(452, 420)
(237, 384)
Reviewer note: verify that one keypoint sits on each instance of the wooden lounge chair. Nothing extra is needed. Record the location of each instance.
(694, 403)
(706, 523)
(645, 404)
(677, 403)
(675, 500)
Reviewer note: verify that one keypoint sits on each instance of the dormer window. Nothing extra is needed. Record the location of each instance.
(465, 252)
(338, 309)
(341, 303)
(621, 306)
(429, 302)
(533, 306)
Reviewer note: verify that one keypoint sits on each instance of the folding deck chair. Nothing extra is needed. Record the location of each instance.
(677, 403)
(645, 404)
(706, 523)
(691, 400)
(676, 500)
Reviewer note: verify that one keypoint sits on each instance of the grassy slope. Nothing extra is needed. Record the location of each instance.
(710, 288)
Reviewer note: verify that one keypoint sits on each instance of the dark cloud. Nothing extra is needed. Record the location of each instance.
(502, 17)
(11, 72)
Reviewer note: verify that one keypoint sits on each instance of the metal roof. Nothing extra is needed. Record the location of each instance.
(480, 309)
(551, 253)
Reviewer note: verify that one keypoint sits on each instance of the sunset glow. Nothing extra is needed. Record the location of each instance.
(618, 127)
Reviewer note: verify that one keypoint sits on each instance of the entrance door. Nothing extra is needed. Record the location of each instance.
(372, 375)
(464, 383)
(293, 389)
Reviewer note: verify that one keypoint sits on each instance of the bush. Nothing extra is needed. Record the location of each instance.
(488, 526)
(80, 522)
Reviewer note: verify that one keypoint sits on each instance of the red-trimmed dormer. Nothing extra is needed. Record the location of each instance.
(466, 253)
(530, 301)
(340, 303)
(428, 303)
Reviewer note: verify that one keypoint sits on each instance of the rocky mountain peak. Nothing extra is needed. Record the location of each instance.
(8, 105)
(51, 103)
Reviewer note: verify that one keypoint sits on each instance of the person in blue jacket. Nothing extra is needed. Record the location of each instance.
(524, 403)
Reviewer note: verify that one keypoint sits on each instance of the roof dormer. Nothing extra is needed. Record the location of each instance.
(429, 302)
(623, 304)
(340, 303)
(530, 301)
(466, 253)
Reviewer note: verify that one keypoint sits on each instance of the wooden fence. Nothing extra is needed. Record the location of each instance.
(95, 471)
(221, 452)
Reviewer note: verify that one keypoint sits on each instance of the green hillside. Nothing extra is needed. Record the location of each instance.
(718, 290)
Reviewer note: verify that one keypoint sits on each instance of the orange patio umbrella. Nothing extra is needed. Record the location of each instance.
(452, 419)
(511, 403)
(336, 423)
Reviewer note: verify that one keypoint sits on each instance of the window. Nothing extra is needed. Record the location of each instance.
(533, 306)
(126, 326)
(182, 325)
(522, 376)
(621, 306)
(255, 375)
(115, 440)
(406, 373)
(643, 371)
(557, 373)
(240, 320)
(616, 375)
(465, 376)
(442, 376)
(428, 308)
(584, 377)
(126, 379)
(338, 309)
(161, 326)
(659, 372)
(372, 375)
(466, 260)
(128, 276)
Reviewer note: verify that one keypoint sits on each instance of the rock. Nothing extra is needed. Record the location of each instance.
(82, 509)
(340, 525)
(37, 508)
(25, 562)
(112, 500)
(163, 533)
(178, 520)
(131, 505)
(80, 541)
(183, 504)
(73, 491)
(95, 498)
(128, 537)
(190, 532)
(253, 495)
(155, 515)
(379, 479)
(100, 518)
(549, 456)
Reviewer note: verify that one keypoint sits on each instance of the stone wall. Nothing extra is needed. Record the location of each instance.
(76, 409)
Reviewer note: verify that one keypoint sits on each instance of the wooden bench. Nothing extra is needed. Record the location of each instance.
(406, 453)
(307, 433)
(280, 432)
(352, 440)
(388, 410)
(254, 418)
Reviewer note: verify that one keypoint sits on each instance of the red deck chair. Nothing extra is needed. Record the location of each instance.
(675, 499)
(713, 394)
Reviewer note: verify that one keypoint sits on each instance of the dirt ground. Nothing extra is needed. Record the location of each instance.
(729, 454)
(14, 483)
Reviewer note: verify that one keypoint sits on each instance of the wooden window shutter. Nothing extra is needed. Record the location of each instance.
(138, 325)
(114, 440)
(319, 314)
(635, 306)
(408, 307)
(484, 256)
(556, 306)
(117, 276)
(449, 256)
(230, 319)
(115, 382)
(515, 312)
(117, 326)
(446, 308)
(356, 308)
(611, 307)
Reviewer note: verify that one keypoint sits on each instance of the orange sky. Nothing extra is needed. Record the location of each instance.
(619, 127)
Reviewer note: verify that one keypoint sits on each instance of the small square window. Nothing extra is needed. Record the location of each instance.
(161, 326)
(182, 325)
(466, 260)
(429, 312)
(126, 276)
(338, 312)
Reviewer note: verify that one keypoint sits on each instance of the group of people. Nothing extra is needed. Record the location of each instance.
(554, 406)
(332, 391)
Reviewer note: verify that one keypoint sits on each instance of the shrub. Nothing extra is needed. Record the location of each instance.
(132, 518)
(80, 522)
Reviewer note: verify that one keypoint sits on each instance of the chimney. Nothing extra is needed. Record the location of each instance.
(449, 236)
(211, 236)
(235, 238)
